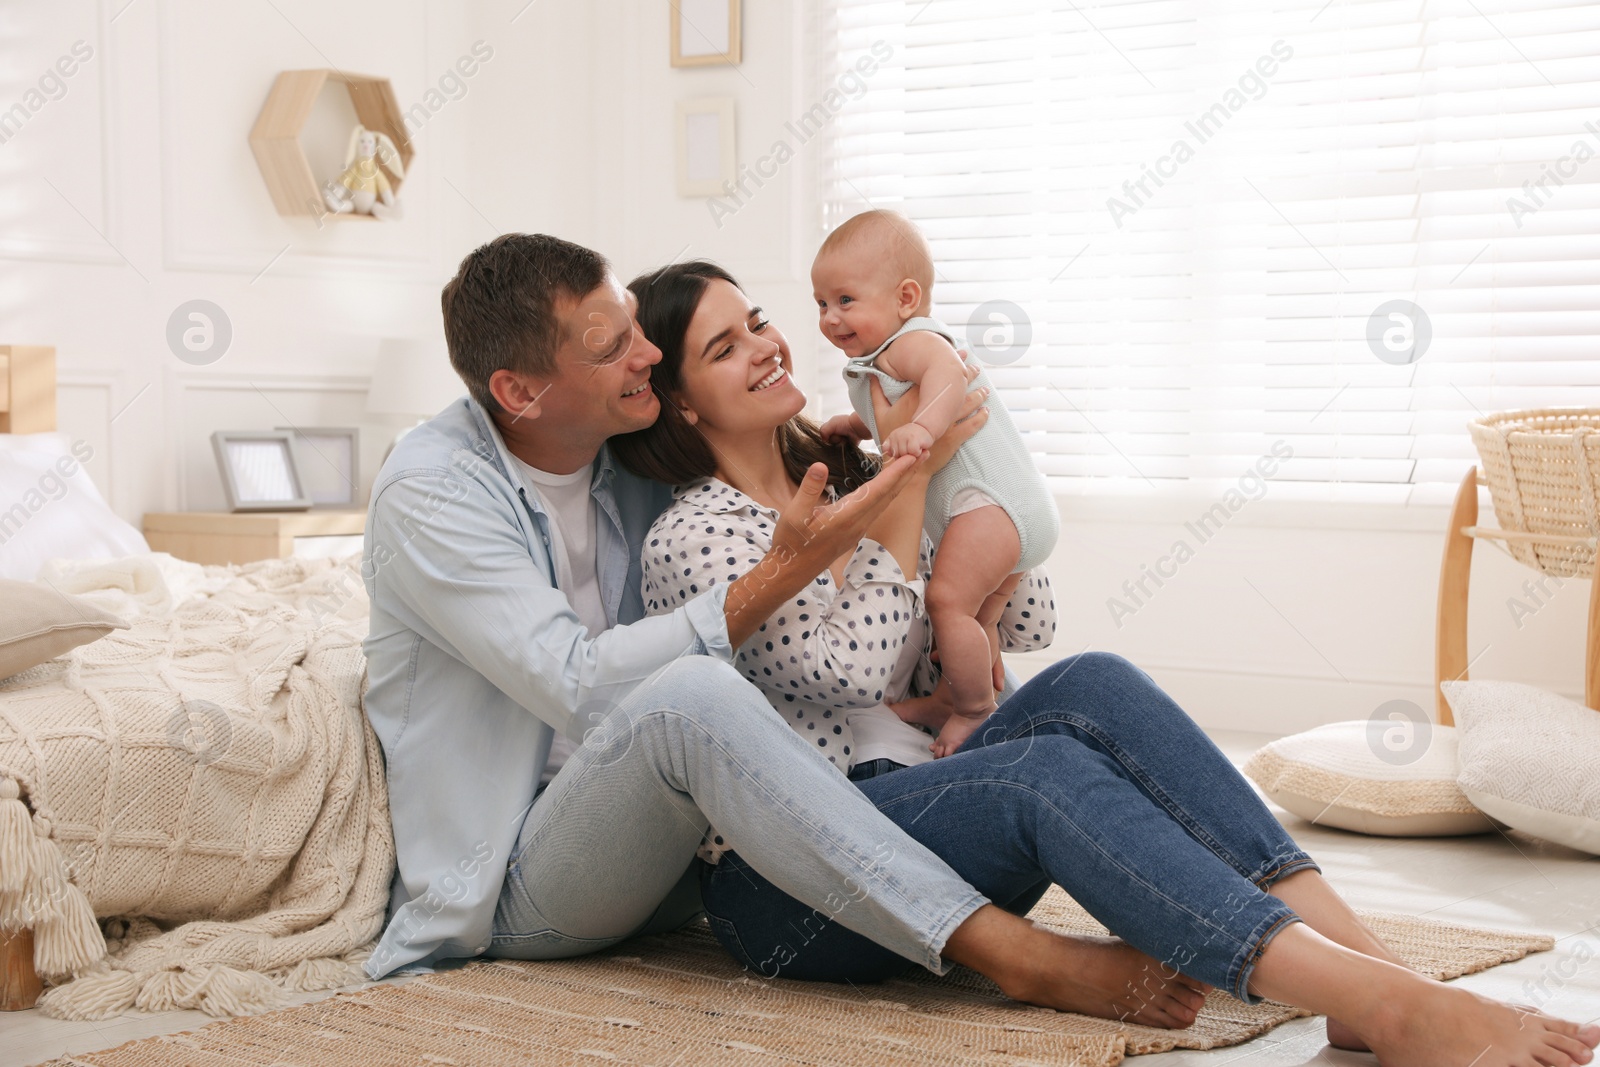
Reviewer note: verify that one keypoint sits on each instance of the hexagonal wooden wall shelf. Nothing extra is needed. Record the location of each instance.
(275, 139)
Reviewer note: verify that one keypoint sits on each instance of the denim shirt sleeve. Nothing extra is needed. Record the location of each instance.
(467, 576)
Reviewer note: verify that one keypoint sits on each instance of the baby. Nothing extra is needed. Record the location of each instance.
(989, 513)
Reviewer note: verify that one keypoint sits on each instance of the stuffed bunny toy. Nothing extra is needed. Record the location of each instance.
(363, 187)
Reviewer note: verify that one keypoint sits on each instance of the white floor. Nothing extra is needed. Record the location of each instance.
(1504, 881)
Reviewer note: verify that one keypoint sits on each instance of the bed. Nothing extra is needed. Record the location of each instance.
(192, 808)
(27, 405)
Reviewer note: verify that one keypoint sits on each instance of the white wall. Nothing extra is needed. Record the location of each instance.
(1299, 614)
(1293, 614)
(136, 191)
(642, 222)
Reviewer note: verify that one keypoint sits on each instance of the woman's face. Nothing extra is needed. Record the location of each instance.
(736, 366)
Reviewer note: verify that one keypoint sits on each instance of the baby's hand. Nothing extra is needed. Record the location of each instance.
(845, 427)
(912, 439)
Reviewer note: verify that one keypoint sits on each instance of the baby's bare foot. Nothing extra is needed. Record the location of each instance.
(1445, 1026)
(957, 728)
(1110, 979)
(930, 711)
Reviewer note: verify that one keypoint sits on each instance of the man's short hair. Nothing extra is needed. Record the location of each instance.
(499, 309)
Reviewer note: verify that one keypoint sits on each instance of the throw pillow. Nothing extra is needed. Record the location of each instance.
(38, 624)
(1346, 775)
(1528, 758)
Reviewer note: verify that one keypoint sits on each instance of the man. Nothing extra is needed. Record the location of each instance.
(508, 639)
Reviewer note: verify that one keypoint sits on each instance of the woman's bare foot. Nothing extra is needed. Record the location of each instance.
(1322, 909)
(1446, 1026)
(1110, 979)
(1407, 1019)
(1341, 1036)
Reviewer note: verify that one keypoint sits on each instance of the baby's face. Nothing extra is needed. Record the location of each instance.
(857, 304)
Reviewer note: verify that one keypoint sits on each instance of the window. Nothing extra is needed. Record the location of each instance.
(1204, 208)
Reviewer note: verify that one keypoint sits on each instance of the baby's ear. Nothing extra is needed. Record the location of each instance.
(908, 298)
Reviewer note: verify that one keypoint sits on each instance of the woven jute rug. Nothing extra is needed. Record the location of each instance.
(680, 1000)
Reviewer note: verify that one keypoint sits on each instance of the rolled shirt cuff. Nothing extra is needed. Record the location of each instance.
(707, 613)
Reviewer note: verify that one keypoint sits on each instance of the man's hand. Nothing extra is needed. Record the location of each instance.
(845, 428)
(809, 536)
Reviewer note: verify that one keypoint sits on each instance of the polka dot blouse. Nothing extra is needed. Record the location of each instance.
(833, 647)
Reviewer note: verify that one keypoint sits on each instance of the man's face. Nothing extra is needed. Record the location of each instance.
(602, 382)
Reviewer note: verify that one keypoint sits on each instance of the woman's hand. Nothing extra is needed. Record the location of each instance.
(969, 420)
(809, 536)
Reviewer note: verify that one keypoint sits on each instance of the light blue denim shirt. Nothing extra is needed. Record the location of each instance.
(475, 659)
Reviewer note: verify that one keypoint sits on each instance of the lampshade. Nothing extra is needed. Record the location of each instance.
(412, 377)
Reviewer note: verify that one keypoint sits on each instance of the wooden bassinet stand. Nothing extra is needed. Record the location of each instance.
(1542, 469)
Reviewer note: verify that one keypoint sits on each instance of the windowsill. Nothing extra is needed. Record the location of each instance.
(1181, 506)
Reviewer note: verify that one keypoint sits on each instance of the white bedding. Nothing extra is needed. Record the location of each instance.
(209, 767)
(50, 508)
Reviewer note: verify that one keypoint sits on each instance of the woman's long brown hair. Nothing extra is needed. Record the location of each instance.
(675, 451)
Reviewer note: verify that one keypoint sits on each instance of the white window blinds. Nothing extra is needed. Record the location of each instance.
(1199, 206)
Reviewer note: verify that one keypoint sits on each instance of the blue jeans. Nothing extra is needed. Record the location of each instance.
(1090, 777)
(607, 850)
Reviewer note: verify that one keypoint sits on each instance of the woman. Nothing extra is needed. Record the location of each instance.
(1088, 776)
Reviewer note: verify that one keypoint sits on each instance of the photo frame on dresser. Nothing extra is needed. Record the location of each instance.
(330, 463)
(259, 471)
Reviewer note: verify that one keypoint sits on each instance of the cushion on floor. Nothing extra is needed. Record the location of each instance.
(1528, 758)
(1387, 777)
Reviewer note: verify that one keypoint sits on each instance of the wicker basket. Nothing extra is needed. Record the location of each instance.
(1543, 470)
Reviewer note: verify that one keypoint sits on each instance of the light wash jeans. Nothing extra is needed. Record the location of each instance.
(608, 849)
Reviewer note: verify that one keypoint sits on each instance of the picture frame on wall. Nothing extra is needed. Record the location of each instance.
(258, 469)
(330, 463)
(706, 150)
(705, 32)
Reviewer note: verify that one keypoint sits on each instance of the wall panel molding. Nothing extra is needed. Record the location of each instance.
(297, 256)
(15, 243)
(101, 437)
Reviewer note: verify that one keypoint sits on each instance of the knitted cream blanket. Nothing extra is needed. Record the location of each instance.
(205, 783)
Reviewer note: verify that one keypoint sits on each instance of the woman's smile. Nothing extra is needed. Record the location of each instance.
(778, 374)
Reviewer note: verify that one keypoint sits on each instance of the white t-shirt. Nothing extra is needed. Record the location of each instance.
(881, 734)
(572, 512)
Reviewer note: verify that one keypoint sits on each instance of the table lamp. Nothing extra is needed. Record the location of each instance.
(412, 377)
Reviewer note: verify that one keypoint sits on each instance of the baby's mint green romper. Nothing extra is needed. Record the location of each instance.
(993, 467)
